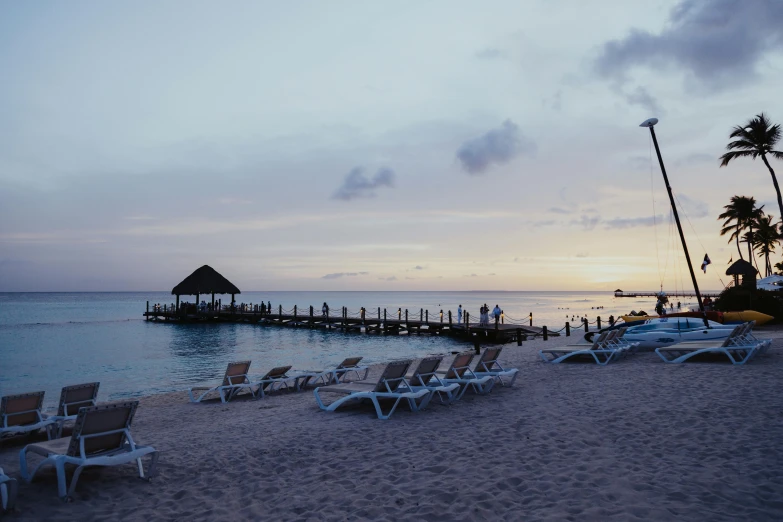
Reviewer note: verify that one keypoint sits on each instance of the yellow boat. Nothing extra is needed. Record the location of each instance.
(745, 316)
(727, 317)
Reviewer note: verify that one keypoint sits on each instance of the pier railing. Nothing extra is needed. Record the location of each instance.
(377, 320)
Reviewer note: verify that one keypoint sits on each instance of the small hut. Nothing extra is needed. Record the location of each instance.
(744, 269)
(205, 280)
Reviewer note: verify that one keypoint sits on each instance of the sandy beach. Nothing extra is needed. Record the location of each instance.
(636, 440)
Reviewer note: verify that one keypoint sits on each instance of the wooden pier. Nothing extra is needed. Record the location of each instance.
(382, 323)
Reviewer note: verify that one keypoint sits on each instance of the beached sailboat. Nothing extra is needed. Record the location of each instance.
(675, 328)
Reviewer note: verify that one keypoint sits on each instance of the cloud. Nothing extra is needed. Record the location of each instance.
(558, 210)
(357, 185)
(391, 278)
(492, 53)
(717, 42)
(338, 275)
(643, 99)
(620, 223)
(581, 255)
(695, 159)
(497, 146)
(587, 222)
(418, 267)
(694, 208)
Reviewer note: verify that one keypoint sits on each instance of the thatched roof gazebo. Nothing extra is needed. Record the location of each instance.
(205, 280)
(743, 268)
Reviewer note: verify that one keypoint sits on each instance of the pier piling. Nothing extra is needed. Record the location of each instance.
(568, 329)
(546, 334)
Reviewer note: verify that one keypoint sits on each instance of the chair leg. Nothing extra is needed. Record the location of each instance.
(59, 466)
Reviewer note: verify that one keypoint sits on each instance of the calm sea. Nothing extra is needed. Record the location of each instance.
(48, 340)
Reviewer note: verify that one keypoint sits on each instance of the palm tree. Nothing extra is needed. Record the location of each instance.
(756, 138)
(737, 215)
(765, 239)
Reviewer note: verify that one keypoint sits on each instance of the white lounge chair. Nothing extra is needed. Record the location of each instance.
(460, 373)
(72, 398)
(333, 375)
(746, 337)
(8, 489)
(21, 413)
(391, 385)
(234, 381)
(101, 437)
(488, 365)
(425, 378)
(598, 351)
(276, 378)
(681, 352)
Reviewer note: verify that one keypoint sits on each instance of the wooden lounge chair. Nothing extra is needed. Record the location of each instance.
(488, 365)
(425, 378)
(460, 373)
(391, 385)
(333, 375)
(276, 377)
(681, 352)
(21, 413)
(599, 351)
(72, 398)
(234, 381)
(8, 489)
(101, 437)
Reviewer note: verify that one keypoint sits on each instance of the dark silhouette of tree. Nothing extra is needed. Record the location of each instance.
(737, 215)
(765, 239)
(757, 138)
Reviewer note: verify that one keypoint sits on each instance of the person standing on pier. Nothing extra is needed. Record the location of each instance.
(496, 313)
(459, 314)
(325, 309)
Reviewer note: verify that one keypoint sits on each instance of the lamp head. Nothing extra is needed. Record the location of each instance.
(649, 123)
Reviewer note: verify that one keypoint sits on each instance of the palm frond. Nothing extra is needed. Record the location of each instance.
(729, 156)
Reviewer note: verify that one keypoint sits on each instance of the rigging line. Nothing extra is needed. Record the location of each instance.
(655, 224)
(695, 234)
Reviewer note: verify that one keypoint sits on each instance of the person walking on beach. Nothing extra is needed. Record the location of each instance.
(496, 313)
(459, 314)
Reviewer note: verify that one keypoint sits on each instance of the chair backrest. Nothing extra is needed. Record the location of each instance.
(21, 409)
(426, 369)
(350, 362)
(236, 373)
(105, 424)
(488, 359)
(74, 397)
(393, 375)
(598, 341)
(276, 372)
(736, 332)
(459, 366)
(611, 338)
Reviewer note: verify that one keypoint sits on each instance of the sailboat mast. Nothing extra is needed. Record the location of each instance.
(650, 124)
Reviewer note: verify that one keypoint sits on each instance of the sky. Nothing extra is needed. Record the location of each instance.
(348, 145)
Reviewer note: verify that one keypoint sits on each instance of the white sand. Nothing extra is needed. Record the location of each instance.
(636, 440)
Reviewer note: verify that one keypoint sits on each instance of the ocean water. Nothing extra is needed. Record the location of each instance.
(49, 340)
